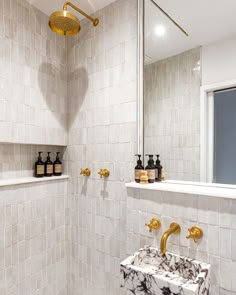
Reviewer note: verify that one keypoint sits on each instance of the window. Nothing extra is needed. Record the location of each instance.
(218, 146)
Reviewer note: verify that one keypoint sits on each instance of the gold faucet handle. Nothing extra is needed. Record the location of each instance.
(85, 172)
(154, 224)
(104, 173)
(195, 233)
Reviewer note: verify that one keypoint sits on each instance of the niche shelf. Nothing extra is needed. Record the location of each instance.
(26, 180)
(187, 187)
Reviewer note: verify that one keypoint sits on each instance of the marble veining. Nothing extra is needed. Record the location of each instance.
(148, 272)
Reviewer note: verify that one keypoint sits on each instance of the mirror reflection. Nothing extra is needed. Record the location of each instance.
(190, 88)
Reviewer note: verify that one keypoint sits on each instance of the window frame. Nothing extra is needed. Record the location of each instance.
(207, 128)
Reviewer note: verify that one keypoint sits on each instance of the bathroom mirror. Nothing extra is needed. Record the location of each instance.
(189, 86)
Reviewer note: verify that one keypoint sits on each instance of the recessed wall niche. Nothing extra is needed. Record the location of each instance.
(17, 160)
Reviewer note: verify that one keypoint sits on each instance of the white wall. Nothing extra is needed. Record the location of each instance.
(32, 239)
(219, 62)
(171, 114)
(217, 218)
(102, 134)
(32, 77)
(32, 111)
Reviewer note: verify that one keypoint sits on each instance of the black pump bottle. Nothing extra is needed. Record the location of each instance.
(158, 169)
(151, 169)
(138, 168)
(39, 166)
(57, 166)
(48, 166)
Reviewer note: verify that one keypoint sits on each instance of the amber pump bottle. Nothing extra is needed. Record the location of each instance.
(57, 166)
(158, 173)
(151, 169)
(48, 166)
(39, 166)
(138, 169)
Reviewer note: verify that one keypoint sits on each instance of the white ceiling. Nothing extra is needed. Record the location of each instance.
(206, 21)
(88, 6)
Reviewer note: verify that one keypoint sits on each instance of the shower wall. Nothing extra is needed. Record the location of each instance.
(172, 114)
(32, 239)
(102, 128)
(32, 77)
(32, 111)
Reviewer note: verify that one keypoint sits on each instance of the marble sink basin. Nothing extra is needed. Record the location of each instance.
(148, 272)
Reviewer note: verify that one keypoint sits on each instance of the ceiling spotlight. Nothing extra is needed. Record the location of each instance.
(160, 30)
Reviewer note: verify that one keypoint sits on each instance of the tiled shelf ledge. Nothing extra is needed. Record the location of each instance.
(25, 180)
(198, 188)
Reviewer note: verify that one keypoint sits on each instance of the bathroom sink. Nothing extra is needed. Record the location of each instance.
(148, 272)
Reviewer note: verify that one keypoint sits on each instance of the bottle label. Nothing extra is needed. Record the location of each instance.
(58, 168)
(156, 173)
(137, 174)
(151, 174)
(40, 169)
(49, 169)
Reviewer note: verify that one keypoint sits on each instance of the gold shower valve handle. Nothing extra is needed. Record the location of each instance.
(154, 224)
(104, 173)
(195, 233)
(85, 172)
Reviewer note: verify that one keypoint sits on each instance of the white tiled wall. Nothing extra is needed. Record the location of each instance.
(32, 77)
(32, 239)
(32, 110)
(172, 114)
(57, 243)
(102, 100)
(217, 218)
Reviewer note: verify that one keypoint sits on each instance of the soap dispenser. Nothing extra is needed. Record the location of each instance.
(48, 166)
(158, 173)
(151, 168)
(138, 169)
(39, 166)
(57, 166)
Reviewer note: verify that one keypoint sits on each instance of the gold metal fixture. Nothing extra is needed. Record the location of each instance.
(66, 23)
(174, 229)
(154, 224)
(104, 173)
(195, 233)
(85, 172)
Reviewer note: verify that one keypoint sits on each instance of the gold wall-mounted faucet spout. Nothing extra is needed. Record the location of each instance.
(174, 229)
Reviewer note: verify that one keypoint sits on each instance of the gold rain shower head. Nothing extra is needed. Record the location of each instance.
(66, 23)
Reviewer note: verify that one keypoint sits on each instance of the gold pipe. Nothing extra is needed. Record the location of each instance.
(95, 21)
(174, 229)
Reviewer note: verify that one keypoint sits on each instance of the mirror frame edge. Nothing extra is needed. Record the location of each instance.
(140, 73)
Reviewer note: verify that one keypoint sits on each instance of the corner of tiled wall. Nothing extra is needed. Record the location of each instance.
(102, 134)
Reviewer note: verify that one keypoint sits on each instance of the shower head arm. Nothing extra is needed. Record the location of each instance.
(95, 21)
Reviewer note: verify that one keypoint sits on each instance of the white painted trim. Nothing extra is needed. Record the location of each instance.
(207, 128)
(218, 86)
(140, 64)
(192, 188)
(27, 180)
(203, 136)
(209, 140)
